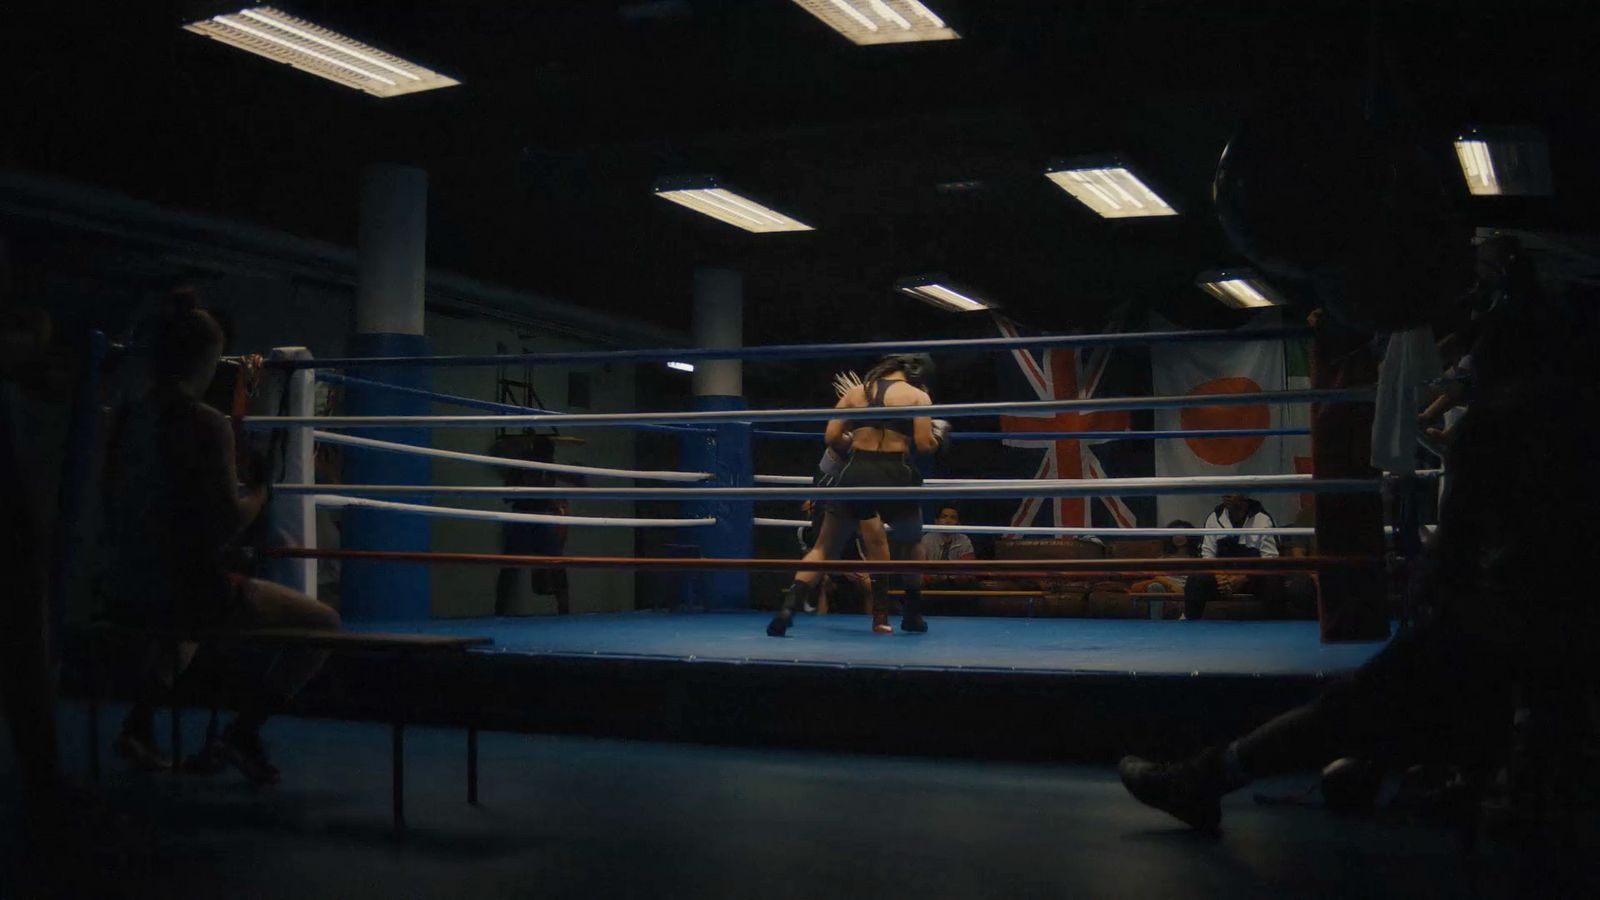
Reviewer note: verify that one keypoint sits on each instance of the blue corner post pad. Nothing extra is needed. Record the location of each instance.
(376, 590)
(725, 454)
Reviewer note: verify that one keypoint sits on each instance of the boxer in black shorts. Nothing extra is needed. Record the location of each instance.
(874, 452)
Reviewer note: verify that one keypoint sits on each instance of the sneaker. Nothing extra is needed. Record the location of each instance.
(780, 623)
(140, 752)
(244, 751)
(880, 623)
(914, 625)
(1182, 790)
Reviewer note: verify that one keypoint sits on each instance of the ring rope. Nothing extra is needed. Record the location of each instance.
(802, 351)
(471, 403)
(995, 482)
(1038, 568)
(337, 501)
(1086, 487)
(1074, 435)
(948, 410)
(1067, 531)
(350, 440)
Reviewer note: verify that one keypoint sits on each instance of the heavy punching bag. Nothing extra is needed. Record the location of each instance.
(1357, 215)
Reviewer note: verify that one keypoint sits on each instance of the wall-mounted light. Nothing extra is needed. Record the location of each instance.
(681, 366)
(941, 292)
(704, 195)
(1108, 187)
(1505, 162)
(1240, 288)
(319, 51)
(880, 21)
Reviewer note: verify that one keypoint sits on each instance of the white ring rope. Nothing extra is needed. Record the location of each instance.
(350, 440)
(991, 482)
(1077, 532)
(1085, 487)
(947, 410)
(336, 501)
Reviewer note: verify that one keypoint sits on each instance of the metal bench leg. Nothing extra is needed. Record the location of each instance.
(472, 766)
(399, 768)
(177, 719)
(94, 723)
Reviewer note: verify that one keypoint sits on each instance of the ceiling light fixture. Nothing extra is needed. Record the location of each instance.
(706, 196)
(1505, 162)
(310, 48)
(880, 21)
(1109, 188)
(937, 290)
(1240, 288)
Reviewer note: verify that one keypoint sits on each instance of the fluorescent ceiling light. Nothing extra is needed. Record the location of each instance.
(1111, 190)
(707, 197)
(938, 291)
(1505, 162)
(1240, 288)
(681, 366)
(283, 38)
(880, 21)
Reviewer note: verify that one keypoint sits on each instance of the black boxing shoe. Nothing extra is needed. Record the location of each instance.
(779, 626)
(1188, 791)
(794, 597)
(914, 623)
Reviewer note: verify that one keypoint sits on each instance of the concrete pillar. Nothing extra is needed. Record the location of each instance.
(389, 322)
(392, 250)
(718, 321)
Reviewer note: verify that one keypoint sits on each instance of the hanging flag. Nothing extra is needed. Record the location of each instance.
(1062, 373)
(1233, 367)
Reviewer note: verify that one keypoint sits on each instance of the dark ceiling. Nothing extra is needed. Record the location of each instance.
(541, 163)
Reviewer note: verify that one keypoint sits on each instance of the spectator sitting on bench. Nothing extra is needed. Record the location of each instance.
(173, 507)
(1235, 511)
(947, 545)
(1174, 546)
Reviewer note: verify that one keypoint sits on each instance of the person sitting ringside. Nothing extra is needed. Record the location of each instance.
(1173, 546)
(1235, 511)
(173, 507)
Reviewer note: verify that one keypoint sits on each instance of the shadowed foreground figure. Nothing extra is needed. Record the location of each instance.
(1502, 618)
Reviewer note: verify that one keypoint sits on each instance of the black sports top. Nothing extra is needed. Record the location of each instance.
(875, 392)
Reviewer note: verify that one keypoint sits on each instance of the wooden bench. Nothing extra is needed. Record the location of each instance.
(404, 646)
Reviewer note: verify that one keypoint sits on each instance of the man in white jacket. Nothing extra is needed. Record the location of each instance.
(1236, 511)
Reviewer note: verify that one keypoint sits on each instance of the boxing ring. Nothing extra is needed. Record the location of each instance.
(713, 673)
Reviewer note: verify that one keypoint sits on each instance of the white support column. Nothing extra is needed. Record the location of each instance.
(718, 323)
(296, 516)
(392, 249)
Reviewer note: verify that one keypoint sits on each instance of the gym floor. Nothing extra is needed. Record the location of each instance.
(583, 817)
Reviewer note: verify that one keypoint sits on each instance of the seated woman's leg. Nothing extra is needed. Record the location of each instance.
(270, 605)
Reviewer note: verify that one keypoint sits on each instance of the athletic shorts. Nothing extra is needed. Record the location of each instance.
(879, 468)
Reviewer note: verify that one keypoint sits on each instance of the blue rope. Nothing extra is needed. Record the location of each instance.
(803, 351)
(486, 405)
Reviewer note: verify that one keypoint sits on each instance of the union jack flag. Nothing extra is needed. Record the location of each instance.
(1062, 373)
